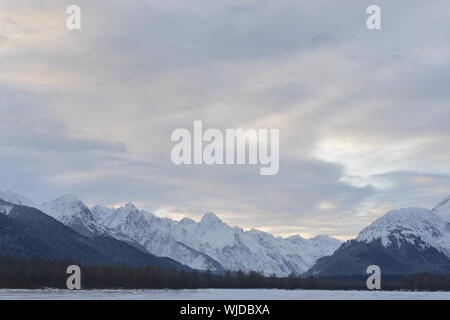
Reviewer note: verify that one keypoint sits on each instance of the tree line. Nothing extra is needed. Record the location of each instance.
(37, 274)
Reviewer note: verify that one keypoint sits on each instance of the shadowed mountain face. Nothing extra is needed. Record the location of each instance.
(353, 258)
(72, 212)
(209, 244)
(406, 241)
(26, 232)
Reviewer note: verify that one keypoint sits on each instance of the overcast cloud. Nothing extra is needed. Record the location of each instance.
(363, 115)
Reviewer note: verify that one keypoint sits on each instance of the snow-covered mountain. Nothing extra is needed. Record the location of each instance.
(28, 233)
(416, 226)
(209, 244)
(403, 241)
(410, 240)
(154, 234)
(212, 244)
(15, 198)
(443, 209)
(71, 211)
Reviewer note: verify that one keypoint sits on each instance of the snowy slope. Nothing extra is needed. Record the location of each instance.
(232, 248)
(237, 249)
(220, 294)
(5, 208)
(154, 234)
(27, 232)
(209, 244)
(443, 209)
(406, 241)
(15, 198)
(71, 211)
(419, 236)
(412, 225)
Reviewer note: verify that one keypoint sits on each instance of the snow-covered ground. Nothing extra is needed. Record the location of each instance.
(219, 294)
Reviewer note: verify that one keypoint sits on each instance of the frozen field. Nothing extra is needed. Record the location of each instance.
(213, 294)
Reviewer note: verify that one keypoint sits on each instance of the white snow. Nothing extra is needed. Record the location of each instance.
(15, 198)
(212, 244)
(197, 244)
(71, 211)
(208, 244)
(219, 294)
(410, 225)
(5, 208)
(443, 209)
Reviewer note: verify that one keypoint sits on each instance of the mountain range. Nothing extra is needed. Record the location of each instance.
(26, 232)
(405, 241)
(209, 244)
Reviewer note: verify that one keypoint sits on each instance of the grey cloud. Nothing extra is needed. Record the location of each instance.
(91, 112)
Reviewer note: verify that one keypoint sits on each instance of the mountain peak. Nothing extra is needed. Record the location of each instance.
(186, 221)
(444, 203)
(323, 238)
(256, 232)
(407, 224)
(296, 237)
(73, 212)
(65, 205)
(443, 209)
(68, 198)
(16, 198)
(210, 218)
(129, 207)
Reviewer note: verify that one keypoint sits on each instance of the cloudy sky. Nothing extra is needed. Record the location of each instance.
(364, 116)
